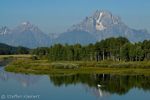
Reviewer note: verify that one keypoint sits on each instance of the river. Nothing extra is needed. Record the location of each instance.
(73, 87)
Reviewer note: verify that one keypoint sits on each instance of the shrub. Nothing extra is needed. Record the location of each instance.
(101, 65)
(45, 67)
(64, 66)
(34, 58)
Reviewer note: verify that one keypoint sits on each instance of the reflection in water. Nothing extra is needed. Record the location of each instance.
(119, 84)
(23, 79)
(98, 93)
(111, 83)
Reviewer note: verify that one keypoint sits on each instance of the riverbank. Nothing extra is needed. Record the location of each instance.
(12, 57)
(28, 66)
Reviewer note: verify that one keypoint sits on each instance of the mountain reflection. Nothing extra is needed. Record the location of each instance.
(24, 80)
(119, 84)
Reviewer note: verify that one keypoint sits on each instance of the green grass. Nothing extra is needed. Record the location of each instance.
(29, 66)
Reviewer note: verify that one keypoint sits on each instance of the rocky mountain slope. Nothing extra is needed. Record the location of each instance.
(103, 24)
(100, 25)
(26, 35)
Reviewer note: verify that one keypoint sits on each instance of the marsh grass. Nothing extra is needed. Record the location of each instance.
(29, 66)
(14, 57)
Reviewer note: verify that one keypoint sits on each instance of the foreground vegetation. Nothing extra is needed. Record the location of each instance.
(29, 66)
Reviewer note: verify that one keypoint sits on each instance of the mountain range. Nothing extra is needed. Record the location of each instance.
(25, 35)
(100, 25)
(103, 24)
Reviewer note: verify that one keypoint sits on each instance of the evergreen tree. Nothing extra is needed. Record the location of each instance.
(22, 50)
(132, 52)
(124, 53)
(112, 48)
(139, 53)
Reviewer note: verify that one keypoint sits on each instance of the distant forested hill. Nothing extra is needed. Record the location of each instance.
(8, 50)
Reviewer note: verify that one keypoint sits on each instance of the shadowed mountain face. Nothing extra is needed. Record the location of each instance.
(103, 24)
(100, 25)
(26, 35)
(75, 36)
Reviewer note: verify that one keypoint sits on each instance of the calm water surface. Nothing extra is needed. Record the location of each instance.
(73, 87)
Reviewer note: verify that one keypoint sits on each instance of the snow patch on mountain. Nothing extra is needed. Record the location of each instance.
(103, 24)
(25, 23)
(99, 25)
(4, 30)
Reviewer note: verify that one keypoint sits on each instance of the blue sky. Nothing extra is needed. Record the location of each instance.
(56, 16)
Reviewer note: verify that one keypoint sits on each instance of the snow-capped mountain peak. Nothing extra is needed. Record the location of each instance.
(25, 23)
(26, 26)
(103, 24)
(27, 35)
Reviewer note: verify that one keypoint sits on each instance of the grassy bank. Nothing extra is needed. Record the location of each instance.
(29, 66)
(11, 57)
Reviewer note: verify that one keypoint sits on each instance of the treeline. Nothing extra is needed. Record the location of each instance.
(9, 50)
(111, 48)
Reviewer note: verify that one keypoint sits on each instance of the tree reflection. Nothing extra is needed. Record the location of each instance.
(119, 84)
